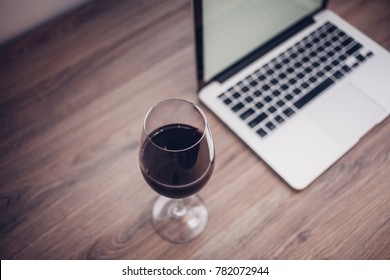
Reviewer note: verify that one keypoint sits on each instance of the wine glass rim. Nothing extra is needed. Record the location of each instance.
(180, 100)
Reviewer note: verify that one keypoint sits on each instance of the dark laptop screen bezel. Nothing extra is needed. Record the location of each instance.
(261, 50)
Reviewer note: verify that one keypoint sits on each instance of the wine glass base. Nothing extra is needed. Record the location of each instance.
(177, 221)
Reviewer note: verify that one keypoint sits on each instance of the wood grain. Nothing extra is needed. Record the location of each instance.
(73, 96)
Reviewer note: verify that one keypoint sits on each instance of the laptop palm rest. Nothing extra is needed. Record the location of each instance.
(324, 131)
(345, 113)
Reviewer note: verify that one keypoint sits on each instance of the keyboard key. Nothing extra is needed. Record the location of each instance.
(280, 103)
(313, 93)
(346, 68)
(248, 99)
(342, 57)
(247, 113)
(335, 38)
(257, 93)
(360, 57)
(238, 107)
(259, 105)
(245, 89)
(278, 66)
(330, 53)
(279, 119)
(300, 75)
(289, 112)
(272, 109)
(308, 69)
(323, 58)
(261, 132)
(227, 101)
(308, 45)
(230, 90)
(270, 125)
(331, 28)
(335, 62)
(354, 49)
(297, 91)
(282, 76)
(258, 120)
(284, 87)
(338, 75)
(290, 70)
(276, 93)
(236, 95)
(292, 81)
(347, 41)
(268, 99)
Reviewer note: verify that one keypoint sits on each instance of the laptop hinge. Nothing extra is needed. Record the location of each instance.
(264, 49)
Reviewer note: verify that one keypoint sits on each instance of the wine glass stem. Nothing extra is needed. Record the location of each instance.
(179, 209)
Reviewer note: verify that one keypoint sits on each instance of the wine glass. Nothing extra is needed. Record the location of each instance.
(176, 159)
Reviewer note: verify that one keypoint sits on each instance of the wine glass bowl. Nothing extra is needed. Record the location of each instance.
(177, 159)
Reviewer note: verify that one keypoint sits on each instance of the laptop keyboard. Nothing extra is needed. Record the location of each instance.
(272, 94)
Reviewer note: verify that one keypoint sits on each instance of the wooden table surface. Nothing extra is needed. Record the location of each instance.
(74, 93)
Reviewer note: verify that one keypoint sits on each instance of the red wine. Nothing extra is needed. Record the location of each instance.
(176, 160)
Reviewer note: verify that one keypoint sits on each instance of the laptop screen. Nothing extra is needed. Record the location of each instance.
(232, 29)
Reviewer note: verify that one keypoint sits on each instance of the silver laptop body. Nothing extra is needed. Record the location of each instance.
(311, 130)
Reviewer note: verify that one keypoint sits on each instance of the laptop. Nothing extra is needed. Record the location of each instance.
(298, 84)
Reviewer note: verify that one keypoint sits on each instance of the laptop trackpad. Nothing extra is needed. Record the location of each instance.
(345, 113)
